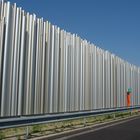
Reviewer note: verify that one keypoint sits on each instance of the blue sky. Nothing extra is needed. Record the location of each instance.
(112, 25)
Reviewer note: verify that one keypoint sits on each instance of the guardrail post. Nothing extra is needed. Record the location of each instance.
(114, 116)
(27, 132)
(84, 121)
(131, 112)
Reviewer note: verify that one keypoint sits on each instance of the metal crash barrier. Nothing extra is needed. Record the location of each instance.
(42, 119)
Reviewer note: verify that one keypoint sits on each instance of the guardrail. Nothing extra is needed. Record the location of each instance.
(40, 119)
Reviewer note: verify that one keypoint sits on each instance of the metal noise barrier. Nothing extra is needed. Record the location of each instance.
(44, 69)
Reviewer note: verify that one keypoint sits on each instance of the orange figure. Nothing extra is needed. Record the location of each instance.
(128, 99)
(129, 91)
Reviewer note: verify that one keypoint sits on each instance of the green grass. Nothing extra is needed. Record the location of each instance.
(36, 128)
(2, 135)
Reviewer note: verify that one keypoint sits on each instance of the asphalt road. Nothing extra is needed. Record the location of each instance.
(129, 130)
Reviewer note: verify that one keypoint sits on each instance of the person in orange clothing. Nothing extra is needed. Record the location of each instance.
(129, 97)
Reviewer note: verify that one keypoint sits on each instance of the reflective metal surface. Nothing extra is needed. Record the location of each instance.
(44, 69)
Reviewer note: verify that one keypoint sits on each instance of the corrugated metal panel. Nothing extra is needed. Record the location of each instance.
(44, 69)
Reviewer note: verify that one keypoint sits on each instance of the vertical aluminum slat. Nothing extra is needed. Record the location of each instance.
(124, 89)
(43, 68)
(65, 73)
(103, 80)
(29, 72)
(77, 73)
(16, 64)
(1, 55)
(86, 77)
(111, 79)
(81, 75)
(70, 73)
(14, 30)
(61, 74)
(52, 71)
(91, 80)
(69, 68)
(56, 69)
(47, 68)
(21, 69)
(5, 78)
(36, 71)
(32, 63)
(95, 78)
(25, 96)
(1, 9)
